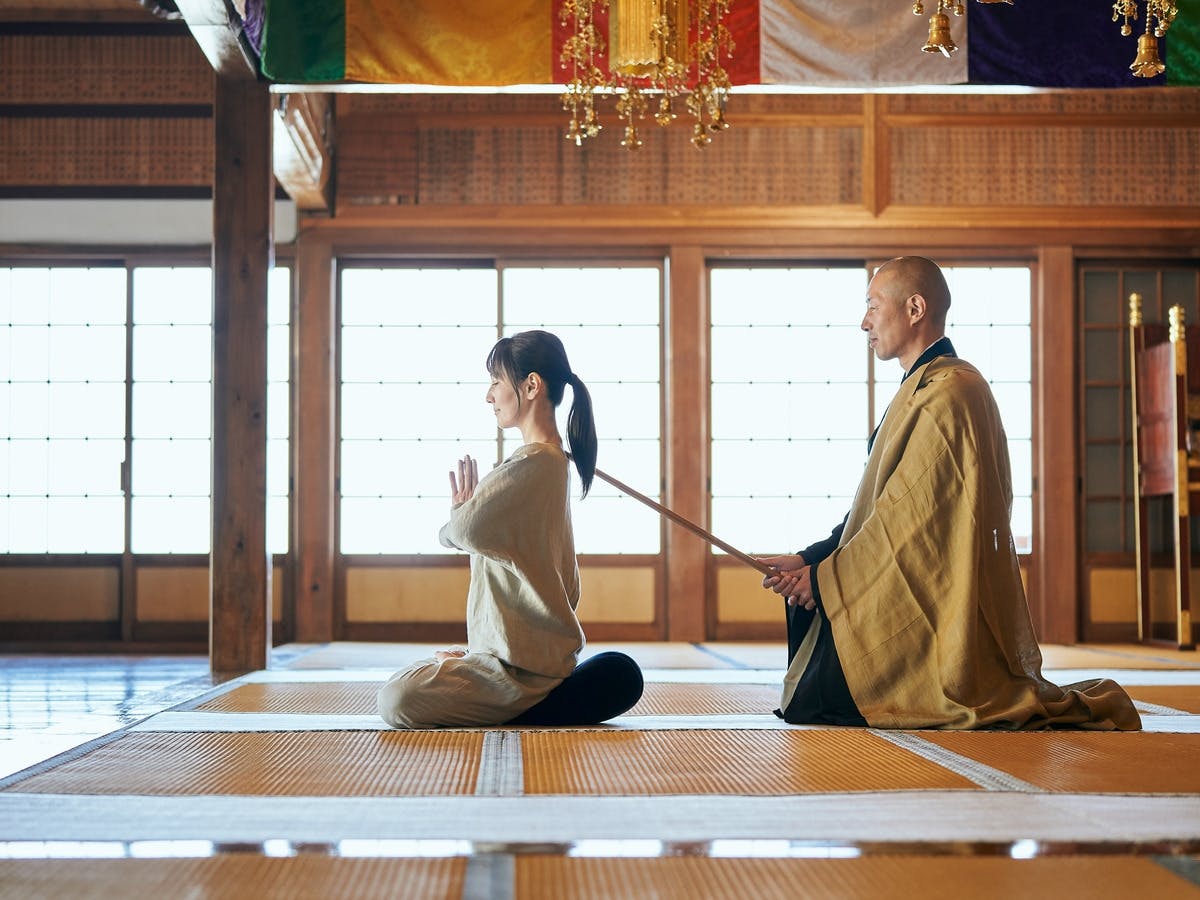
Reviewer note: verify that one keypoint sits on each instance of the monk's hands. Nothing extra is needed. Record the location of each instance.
(450, 653)
(791, 579)
(462, 487)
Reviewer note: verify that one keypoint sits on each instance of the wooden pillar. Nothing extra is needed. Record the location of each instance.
(313, 439)
(1054, 581)
(243, 207)
(689, 560)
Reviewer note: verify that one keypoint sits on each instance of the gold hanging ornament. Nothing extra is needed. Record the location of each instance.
(1147, 63)
(939, 40)
(649, 54)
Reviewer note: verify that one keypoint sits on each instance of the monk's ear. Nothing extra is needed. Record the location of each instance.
(916, 308)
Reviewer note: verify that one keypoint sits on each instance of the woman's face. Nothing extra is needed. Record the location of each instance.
(504, 400)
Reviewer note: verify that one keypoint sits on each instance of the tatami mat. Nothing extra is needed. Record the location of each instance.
(337, 698)
(723, 762)
(749, 655)
(351, 764)
(340, 698)
(706, 699)
(729, 654)
(1084, 761)
(237, 875)
(298, 788)
(667, 655)
(926, 877)
(1181, 697)
(343, 655)
(1117, 656)
(649, 654)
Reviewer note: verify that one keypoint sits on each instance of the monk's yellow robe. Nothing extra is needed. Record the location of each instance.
(923, 593)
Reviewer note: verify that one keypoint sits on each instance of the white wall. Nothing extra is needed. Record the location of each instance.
(117, 222)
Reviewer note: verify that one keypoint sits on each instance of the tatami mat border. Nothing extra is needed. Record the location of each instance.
(1126, 676)
(230, 722)
(721, 676)
(910, 816)
(986, 777)
(685, 676)
(221, 721)
(1156, 709)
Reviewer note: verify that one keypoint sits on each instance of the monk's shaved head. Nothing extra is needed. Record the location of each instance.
(908, 275)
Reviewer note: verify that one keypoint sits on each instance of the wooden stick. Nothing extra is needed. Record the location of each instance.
(690, 526)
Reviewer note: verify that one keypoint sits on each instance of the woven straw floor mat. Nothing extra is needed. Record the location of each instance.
(924, 877)
(292, 764)
(649, 654)
(723, 762)
(238, 875)
(751, 655)
(363, 656)
(1085, 761)
(333, 699)
(1123, 656)
(706, 699)
(337, 698)
(1185, 697)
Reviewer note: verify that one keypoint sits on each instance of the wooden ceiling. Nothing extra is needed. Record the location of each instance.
(34, 11)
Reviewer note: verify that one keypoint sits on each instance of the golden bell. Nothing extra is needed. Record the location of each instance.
(1147, 64)
(939, 36)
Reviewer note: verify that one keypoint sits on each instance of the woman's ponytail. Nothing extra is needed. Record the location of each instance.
(581, 432)
(515, 357)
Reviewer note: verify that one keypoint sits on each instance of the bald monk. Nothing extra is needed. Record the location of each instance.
(911, 614)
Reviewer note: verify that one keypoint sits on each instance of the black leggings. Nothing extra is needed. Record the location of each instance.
(604, 686)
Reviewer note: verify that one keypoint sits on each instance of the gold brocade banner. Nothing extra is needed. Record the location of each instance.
(449, 42)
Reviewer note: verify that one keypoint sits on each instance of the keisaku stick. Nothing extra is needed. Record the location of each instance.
(690, 526)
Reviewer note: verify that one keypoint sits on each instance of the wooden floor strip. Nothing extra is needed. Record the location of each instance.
(723, 762)
(267, 763)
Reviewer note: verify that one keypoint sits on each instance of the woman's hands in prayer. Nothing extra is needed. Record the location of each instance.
(792, 579)
(463, 487)
(450, 653)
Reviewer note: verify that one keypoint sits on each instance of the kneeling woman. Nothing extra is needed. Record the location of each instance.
(523, 638)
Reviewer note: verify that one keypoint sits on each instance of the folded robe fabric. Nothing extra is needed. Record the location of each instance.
(924, 594)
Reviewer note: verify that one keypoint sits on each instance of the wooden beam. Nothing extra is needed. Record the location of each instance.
(243, 211)
(689, 561)
(219, 34)
(1054, 576)
(304, 149)
(314, 337)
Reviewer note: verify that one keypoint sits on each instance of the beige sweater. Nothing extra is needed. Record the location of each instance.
(524, 575)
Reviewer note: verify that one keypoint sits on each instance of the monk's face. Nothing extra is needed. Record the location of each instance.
(888, 328)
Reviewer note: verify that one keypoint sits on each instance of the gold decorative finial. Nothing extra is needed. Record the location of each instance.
(1135, 309)
(1175, 318)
